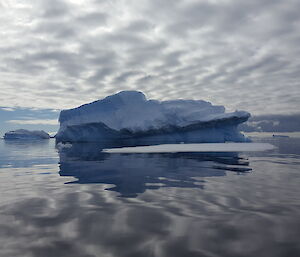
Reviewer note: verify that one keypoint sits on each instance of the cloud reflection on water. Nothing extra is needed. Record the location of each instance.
(254, 215)
(26, 153)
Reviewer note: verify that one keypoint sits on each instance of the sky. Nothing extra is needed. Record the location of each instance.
(59, 54)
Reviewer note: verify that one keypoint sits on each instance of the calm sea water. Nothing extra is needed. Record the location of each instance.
(80, 202)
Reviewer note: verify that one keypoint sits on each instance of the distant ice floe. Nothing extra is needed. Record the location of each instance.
(129, 116)
(23, 134)
(180, 148)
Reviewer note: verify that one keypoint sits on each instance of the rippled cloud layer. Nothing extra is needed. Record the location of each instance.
(60, 54)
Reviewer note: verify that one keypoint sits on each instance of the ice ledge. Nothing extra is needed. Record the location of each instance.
(180, 148)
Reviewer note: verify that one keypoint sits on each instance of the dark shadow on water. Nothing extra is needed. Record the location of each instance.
(132, 174)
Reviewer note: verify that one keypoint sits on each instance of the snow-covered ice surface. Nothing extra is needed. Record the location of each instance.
(129, 115)
(26, 134)
(181, 148)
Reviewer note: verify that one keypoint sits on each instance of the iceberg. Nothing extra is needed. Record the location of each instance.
(26, 134)
(129, 117)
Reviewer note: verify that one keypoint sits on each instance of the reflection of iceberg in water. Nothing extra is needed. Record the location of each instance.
(132, 174)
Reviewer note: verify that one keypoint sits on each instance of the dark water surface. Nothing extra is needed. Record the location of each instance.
(80, 202)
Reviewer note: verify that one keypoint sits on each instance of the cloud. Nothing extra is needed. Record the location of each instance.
(272, 123)
(28, 118)
(34, 122)
(244, 55)
(8, 109)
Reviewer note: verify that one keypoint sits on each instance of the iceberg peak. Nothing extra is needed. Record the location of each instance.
(128, 96)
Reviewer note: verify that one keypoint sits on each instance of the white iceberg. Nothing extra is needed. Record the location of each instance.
(26, 134)
(129, 116)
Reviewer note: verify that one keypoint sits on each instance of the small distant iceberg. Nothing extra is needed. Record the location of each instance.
(128, 117)
(23, 134)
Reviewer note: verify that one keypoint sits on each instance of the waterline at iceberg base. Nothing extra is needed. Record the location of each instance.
(127, 117)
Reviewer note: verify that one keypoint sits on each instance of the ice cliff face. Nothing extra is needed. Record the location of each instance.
(129, 115)
(26, 134)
